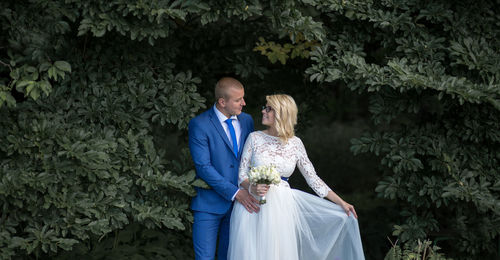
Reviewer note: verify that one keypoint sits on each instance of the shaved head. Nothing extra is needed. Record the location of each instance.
(224, 85)
(229, 95)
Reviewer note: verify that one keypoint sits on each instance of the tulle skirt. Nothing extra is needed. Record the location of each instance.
(294, 225)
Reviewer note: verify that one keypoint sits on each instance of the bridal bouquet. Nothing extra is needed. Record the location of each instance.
(264, 175)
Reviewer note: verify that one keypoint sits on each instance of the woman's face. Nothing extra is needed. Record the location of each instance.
(268, 115)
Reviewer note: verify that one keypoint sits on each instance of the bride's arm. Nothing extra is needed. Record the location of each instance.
(319, 186)
(348, 208)
(307, 169)
(243, 196)
(245, 164)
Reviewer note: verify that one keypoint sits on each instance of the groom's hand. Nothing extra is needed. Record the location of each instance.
(248, 201)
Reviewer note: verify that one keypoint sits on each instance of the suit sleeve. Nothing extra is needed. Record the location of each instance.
(199, 147)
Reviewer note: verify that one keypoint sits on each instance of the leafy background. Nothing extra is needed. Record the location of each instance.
(398, 106)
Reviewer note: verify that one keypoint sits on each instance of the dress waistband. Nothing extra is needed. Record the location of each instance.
(284, 178)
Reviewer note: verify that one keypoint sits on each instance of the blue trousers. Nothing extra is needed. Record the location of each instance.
(207, 227)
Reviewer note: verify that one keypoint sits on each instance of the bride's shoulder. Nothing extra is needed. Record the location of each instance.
(258, 133)
(256, 137)
(261, 136)
(296, 140)
(255, 134)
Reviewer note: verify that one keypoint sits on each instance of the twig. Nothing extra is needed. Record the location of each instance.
(5, 64)
(425, 253)
(393, 244)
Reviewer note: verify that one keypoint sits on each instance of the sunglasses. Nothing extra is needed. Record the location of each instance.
(267, 108)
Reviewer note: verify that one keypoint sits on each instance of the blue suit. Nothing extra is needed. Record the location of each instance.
(217, 165)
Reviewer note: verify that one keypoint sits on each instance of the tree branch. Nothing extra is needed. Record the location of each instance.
(6, 65)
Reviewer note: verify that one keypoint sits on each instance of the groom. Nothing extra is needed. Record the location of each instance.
(216, 139)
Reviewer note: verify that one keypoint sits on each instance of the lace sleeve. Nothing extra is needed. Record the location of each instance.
(246, 158)
(307, 169)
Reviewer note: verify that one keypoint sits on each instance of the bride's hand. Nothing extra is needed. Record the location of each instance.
(348, 208)
(259, 189)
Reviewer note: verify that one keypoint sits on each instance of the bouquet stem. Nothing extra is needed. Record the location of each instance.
(262, 200)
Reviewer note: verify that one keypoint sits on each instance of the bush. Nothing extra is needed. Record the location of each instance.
(421, 250)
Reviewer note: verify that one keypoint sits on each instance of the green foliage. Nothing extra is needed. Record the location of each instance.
(80, 162)
(135, 242)
(275, 51)
(86, 165)
(433, 70)
(422, 250)
(61, 183)
(31, 36)
(140, 20)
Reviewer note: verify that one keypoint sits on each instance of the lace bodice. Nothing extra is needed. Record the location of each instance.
(263, 149)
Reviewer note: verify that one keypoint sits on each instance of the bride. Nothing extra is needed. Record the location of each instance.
(292, 224)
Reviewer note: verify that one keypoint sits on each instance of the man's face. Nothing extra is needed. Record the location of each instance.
(234, 102)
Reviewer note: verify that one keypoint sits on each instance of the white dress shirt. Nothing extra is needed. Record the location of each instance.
(236, 124)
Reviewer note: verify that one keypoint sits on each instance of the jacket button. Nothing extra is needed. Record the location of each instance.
(231, 166)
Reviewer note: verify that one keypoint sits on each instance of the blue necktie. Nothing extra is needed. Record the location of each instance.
(229, 123)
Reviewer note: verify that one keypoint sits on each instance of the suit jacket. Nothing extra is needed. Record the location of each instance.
(215, 161)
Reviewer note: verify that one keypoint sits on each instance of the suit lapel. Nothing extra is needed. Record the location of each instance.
(215, 121)
(244, 132)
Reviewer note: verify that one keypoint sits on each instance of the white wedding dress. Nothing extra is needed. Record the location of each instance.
(292, 224)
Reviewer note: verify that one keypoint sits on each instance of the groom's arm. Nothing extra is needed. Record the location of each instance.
(198, 145)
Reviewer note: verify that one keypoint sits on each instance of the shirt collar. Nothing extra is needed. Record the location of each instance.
(222, 118)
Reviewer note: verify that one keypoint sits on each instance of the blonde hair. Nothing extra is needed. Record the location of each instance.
(285, 115)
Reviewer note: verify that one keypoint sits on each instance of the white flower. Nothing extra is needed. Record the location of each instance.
(264, 175)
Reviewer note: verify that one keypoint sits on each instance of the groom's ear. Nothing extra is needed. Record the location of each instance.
(221, 102)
